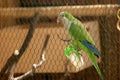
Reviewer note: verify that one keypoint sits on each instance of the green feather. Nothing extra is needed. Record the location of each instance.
(90, 54)
(77, 29)
(79, 32)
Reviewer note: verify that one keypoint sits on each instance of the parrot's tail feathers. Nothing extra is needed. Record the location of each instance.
(91, 48)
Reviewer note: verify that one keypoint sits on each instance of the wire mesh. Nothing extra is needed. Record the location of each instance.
(99, 18)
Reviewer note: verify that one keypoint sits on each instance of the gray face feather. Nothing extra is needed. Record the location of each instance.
(64, 20)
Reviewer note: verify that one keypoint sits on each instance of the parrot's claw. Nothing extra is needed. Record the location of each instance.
(65, 40)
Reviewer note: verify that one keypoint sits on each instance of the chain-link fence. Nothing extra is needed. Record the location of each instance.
(31, 49)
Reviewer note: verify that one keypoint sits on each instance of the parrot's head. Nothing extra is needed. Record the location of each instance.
(65, 18)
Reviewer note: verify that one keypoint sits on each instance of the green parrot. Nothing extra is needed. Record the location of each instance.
(80, 37)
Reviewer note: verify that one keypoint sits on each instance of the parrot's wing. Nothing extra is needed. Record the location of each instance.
(91, 48)
(79, 32)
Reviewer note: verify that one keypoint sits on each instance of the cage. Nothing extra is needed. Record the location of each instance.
(31, 46)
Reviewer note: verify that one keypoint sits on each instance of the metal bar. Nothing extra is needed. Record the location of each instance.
(79, 10)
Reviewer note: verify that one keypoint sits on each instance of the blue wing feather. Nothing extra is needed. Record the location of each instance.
(91, 48)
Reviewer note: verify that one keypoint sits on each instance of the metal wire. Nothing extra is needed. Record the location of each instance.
(99, 18)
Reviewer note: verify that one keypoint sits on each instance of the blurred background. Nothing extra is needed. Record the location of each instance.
(98, 16)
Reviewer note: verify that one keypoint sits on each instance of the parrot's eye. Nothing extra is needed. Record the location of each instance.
(62, 15)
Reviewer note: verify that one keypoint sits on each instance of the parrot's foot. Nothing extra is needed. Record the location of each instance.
(65, 40)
